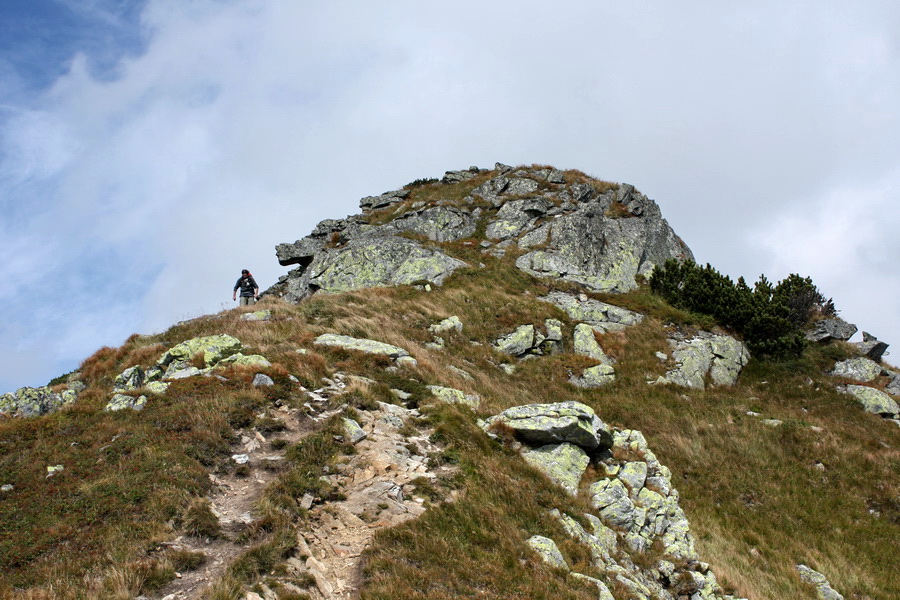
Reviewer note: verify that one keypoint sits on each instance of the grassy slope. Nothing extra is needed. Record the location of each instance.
(756, 499)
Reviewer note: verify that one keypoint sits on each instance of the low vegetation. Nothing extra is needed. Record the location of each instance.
(822, 488)
(771, 318)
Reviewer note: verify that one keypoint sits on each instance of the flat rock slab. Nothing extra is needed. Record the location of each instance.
(569, 422)
(360, 345)
(831, 329)
(601, 316)
(454, 396)
(857, 369)
(213, 347)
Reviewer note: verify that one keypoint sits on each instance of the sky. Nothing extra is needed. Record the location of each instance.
(151, 149)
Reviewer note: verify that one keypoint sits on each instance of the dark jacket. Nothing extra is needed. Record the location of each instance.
(247, 285)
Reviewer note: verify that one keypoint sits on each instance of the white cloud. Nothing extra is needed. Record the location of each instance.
(142, 194)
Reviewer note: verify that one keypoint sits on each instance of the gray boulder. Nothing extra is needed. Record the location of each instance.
(34, 402)
(857, 369)
(360, 345)
(586, 344)
(721, 357)
(369, 261)
(831, 329)
(518, 342)
(605, 253)
(451, 177)
(594, 377)
(455, 396)
(893, 386)
(873, 401)
(871, 347)
(438, 224)
(548, 551)
(385, 199)
(515, 216)
(131, 378)
(601, 316)
(564, 464)
(570, 422)
(823, 587)
(123, 402)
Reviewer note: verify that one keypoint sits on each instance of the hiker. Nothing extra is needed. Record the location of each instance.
(249, 289)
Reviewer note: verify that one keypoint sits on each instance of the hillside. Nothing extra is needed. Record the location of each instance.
(467, 390)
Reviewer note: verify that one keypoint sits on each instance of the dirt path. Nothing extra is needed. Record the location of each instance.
(376, 483)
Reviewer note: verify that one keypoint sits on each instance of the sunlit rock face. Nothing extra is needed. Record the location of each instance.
(561, 225)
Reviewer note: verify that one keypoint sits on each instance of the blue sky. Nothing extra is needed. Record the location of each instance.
(150, 150)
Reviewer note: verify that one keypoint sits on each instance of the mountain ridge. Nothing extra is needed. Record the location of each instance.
(554, 428)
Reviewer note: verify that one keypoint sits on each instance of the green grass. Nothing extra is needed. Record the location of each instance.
(757, 499)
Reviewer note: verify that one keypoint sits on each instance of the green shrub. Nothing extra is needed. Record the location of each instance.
(770, 318)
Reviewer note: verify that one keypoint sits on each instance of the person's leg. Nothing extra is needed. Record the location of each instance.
(245, 300)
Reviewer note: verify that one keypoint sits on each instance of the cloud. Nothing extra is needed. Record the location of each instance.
(139, 190)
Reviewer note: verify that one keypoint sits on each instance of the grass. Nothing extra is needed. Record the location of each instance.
(821, 489)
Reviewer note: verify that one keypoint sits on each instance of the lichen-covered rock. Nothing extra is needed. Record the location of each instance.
(259, 315)
(34, 402)
(157, 387)
(571, 422)
(564, 464)
(600, 547)
(518, 342)
(364, 262)
(590, 247)
(515, 216)
(594, 377)
(603, 239)
(244, 360)
(213, 347)
(548, 551)
(586, 344)
(719, 356)
(438, 224)
(123, 401)
(831, 329)
(454, 396)
(603, 592)
(360, 345)
(601, 316)
(131, 378)
(874, 401)
(446, 326)
(354, 432)
(823, 587)
(382, 200)
(857, 369)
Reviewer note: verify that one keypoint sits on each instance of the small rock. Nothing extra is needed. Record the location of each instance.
(240, 459)
(54, 469)
(262, 380)
(6, 487)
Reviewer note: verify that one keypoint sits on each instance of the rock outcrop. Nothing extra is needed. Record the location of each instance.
(636, 507)
(718, 357)
(34, 402)
(595, 233)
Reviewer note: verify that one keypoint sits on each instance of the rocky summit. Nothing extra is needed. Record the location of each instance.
(471, 389)
(601, 235)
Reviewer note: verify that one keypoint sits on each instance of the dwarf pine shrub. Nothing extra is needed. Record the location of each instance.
(771, 318)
